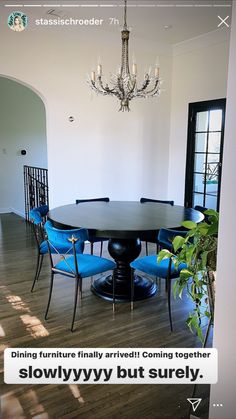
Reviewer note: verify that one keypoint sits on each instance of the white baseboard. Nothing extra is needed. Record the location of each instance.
(9, 210)
(5, 210)
(21, 214)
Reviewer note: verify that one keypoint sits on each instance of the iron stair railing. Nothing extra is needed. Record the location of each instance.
(35, 188)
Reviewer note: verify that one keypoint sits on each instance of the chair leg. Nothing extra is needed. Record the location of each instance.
(50, 295)
(101, 248)
(169, 302)
(146, 244)
(207, 332)
(40, 266)
(77, 281)
(132, 290)
(157, 250)
(38, 270)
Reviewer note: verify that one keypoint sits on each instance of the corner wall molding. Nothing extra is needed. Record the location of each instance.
(211, 38)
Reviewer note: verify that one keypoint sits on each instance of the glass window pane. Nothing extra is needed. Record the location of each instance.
(212, 186)
(197, 199)
(202, 121)
(214, 142)
(213, 158)
(199, 162)
(215, 120)
(200, 142)
(211, 202)
(198, 183)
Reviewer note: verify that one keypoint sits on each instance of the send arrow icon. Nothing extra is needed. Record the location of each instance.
(195, 403)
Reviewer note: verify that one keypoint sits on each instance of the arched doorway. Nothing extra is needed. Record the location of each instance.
(23, 140)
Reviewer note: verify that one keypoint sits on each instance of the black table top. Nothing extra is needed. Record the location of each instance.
(122, 219)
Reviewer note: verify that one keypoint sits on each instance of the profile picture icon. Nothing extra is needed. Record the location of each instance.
(17, 21)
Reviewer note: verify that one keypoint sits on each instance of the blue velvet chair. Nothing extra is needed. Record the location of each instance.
(166, 237)
(200, 208)
(77, 266)
(38, 217)
(159, 201)
(164, 269)
(92, 239)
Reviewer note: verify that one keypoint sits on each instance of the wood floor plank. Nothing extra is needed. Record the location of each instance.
(22, 324)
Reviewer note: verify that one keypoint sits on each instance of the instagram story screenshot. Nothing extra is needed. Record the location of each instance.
(117, 220)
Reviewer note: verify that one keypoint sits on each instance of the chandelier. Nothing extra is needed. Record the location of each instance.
(124, 83)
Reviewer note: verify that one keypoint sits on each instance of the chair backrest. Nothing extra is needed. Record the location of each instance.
(200, 208)
(38, 214)
(159, 201)
(79, 201)
(38, 217)
(61, 239)
(166, 237)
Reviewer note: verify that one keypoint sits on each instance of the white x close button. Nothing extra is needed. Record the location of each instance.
(223, 21)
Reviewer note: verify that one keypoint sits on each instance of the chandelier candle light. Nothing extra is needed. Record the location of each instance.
(124, 83)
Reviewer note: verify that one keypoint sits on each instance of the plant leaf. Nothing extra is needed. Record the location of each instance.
(213, 229)
(178, 242)
(163, 254)
(175, 288)
(185, 273)
(189, 224)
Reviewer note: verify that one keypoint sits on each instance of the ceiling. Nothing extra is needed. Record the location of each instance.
(184, 19)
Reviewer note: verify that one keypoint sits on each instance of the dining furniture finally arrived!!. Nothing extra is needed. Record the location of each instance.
(125, 224)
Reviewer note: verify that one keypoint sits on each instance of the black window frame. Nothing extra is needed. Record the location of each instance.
(193, 109)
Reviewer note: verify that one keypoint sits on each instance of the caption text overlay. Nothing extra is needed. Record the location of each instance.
(110, 366)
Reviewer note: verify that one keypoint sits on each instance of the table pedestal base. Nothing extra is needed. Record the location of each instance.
(124, 251)
(143, 288)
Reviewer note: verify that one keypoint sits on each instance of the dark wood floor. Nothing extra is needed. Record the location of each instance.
(22, 324)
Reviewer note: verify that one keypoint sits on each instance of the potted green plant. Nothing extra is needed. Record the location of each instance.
(198, 251)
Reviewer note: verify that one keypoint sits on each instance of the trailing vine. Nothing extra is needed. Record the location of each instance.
(198, 251)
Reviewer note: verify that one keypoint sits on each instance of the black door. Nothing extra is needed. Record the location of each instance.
(204, 153)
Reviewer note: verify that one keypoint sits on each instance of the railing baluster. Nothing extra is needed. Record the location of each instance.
(35, 188)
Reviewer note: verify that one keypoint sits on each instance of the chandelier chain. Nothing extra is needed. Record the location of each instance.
(125, 15)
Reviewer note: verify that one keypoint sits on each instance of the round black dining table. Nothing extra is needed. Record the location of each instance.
(125, 224)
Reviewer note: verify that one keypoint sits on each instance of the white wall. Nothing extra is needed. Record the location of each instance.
(224, 331)
(103, 152)
(22, 127)
(199, 73)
